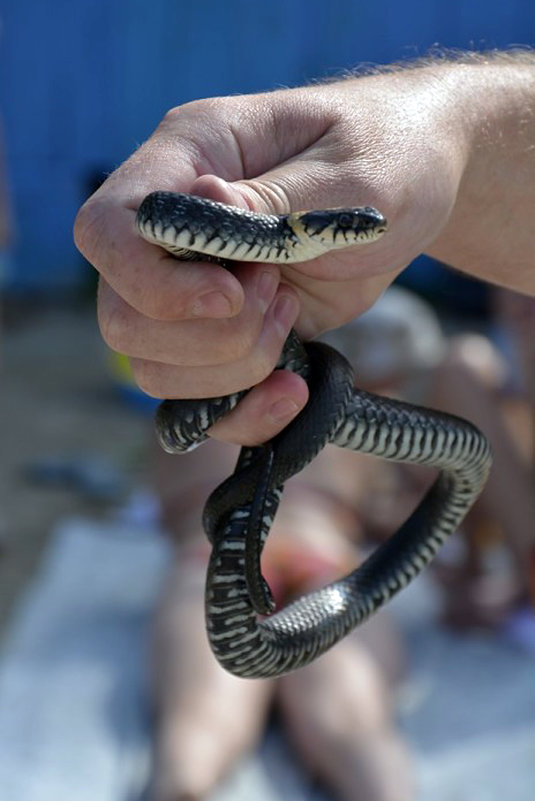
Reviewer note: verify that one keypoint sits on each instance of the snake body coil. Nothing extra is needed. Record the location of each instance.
(239, 513)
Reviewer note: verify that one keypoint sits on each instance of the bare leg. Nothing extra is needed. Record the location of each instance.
(337, 709)
(205, 717)
(338, 714)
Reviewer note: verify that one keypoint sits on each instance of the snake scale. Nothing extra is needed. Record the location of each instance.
(239, 513)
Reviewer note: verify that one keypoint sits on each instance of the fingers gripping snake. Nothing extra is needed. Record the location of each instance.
(239, 513)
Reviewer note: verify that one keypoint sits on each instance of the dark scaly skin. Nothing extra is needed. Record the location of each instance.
(239, 513)
(188, 226)
(305, 629)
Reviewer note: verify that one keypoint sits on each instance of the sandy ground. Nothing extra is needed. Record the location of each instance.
(57, 402)
(74, 700)
(470, 703)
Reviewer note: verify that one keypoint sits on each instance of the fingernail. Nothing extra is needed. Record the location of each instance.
(284, 409)
(267, 286)
(211, 304)
(285, 312)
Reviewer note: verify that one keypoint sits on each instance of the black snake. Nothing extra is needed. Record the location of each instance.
(239, 513)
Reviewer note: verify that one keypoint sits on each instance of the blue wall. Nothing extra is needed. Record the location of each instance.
(84, 81)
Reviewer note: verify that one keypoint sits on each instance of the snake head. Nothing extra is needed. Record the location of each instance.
(340, 228)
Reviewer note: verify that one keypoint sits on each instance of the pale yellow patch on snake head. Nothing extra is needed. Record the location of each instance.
(338, 228)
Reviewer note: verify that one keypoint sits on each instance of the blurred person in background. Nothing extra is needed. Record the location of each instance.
(490, 380)
(338, 712)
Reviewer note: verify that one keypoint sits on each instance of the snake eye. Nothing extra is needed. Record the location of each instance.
(345, 220)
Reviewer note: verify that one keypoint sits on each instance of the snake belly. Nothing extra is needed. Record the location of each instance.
(242, 642)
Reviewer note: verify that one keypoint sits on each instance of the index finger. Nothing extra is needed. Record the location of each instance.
(147, 277)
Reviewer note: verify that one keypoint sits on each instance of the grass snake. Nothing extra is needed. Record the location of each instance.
(246, 638)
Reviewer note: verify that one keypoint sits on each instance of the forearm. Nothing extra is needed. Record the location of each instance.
(491, 233)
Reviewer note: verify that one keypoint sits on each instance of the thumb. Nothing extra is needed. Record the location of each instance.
(299, 184)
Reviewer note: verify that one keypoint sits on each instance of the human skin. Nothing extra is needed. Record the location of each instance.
(338, 713)
(445, 151)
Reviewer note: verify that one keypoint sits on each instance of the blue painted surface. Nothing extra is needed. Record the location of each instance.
(84, 82)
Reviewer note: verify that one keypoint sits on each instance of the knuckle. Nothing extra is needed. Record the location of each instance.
(262, 364)
(193, 111)
(87, 229)
(157, 303)
(148, 376)
(241, 344)
(114, 325)
(271, 196)
(234, 339)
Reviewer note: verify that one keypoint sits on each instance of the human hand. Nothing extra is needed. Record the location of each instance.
(397, 142)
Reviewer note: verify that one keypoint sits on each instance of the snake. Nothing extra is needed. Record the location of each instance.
(247, 635)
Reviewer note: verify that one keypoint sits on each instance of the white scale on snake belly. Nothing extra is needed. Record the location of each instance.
(210, 245)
